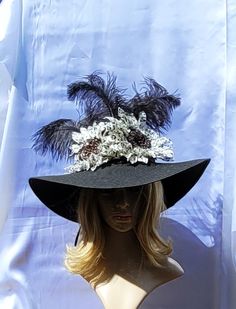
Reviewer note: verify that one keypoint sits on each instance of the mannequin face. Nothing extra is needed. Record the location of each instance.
(119, 207)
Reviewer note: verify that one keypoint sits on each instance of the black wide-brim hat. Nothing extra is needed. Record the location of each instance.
(116, 132)
(177, 179)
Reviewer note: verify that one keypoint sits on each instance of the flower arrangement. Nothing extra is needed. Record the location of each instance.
(114, 138)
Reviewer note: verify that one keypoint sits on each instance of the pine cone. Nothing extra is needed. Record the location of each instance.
(90, 147)
(137, 138)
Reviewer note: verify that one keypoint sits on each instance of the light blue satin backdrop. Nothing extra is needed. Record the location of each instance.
(45, 45)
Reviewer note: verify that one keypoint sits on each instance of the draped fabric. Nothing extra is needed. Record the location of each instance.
(188, 47)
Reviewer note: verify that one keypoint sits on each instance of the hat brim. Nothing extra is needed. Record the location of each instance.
(177, 179)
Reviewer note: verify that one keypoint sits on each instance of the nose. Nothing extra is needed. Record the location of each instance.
(123, 205)
(121, 200)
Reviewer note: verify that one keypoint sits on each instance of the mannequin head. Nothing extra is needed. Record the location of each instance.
(141, 207)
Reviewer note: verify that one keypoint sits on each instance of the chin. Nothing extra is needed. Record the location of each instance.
(122, 229)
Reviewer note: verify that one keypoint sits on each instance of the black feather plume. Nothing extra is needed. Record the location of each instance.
(97, 97)
(156, 102)
(55, 138)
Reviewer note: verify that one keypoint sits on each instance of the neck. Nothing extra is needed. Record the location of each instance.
(121, 246)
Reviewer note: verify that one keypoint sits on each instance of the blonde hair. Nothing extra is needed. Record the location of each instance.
(86, 258)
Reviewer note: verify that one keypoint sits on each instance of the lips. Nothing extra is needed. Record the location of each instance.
(122, 217)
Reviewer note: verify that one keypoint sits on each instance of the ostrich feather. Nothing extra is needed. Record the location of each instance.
(96, 97)
(55, 138)
(156, 102)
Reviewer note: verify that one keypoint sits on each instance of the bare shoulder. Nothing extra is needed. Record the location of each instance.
(174, 267)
